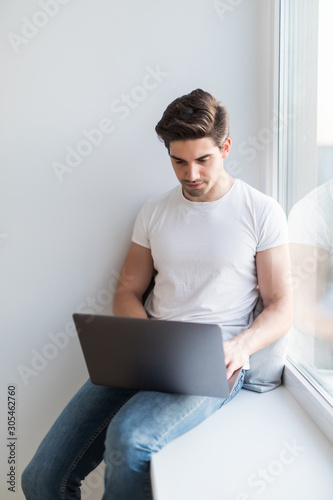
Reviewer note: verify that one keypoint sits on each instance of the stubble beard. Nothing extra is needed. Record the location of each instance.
(195, 193)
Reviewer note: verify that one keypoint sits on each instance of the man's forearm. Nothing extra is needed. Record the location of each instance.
(274, 321)
(269, 326)
(129, 305)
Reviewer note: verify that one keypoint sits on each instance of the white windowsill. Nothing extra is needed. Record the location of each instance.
(228, 455)
(310, 399)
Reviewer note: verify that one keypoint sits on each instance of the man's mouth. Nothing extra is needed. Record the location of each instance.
(193, 185)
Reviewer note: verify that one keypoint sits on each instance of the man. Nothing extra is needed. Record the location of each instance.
(211, 241)
(311, 248)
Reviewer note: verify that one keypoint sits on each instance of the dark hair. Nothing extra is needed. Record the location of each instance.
(194, 116)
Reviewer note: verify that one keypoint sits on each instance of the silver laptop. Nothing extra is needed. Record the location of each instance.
(155, 355)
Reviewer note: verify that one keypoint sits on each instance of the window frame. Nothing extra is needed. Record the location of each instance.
(311, 400)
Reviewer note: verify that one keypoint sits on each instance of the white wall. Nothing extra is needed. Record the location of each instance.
(63, 237)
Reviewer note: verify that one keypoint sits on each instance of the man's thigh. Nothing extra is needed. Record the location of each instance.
(152, 419)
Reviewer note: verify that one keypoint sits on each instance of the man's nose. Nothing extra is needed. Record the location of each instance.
(193, 172)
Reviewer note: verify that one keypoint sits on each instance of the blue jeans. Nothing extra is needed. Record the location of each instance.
(121, 426)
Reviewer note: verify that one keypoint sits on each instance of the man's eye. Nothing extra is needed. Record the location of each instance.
(204, 160)
(179, 161)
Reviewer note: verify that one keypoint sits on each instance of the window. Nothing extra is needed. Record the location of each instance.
(306, 181)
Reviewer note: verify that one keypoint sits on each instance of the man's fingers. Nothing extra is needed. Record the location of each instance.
(230, 370)
(227, 357)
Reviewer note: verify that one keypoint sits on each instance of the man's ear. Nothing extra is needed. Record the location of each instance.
(226, 148)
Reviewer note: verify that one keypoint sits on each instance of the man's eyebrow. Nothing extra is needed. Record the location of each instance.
(197, 159)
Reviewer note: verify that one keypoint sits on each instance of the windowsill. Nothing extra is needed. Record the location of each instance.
(310, 399)
(240, 453)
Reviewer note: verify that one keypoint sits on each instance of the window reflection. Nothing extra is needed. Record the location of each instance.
(311, 247)
(306, 177)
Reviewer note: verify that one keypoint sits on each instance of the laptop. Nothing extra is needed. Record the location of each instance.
(155, 355)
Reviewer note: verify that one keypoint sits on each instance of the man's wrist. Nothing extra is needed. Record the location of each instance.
(245, 343)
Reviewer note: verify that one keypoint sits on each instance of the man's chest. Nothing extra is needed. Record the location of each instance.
(203, 239)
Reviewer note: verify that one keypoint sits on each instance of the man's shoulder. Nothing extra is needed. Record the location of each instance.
(319, 200)
(254, 194)
(162, 199)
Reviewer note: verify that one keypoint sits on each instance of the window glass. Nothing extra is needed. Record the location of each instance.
(306, 181)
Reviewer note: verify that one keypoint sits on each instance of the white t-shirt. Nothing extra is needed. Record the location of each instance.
(311, 223)
(204, 254)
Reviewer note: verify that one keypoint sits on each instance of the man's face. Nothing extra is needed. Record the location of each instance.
(198, 165)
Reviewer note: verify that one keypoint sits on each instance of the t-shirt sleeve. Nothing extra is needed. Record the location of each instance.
(273, 228)
(140, 233)
(307, 226)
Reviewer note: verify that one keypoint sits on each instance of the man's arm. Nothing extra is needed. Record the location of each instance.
(273, 267)
(310, 285)
(135, 277)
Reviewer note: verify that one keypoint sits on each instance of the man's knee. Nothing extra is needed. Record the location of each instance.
(127, 444)
(38, 481)
(31, 480)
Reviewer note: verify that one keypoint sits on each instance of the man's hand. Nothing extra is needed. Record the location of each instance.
(235, 355)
